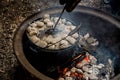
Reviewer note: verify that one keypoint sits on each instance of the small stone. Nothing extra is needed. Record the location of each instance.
(39, 9)
(1, 29)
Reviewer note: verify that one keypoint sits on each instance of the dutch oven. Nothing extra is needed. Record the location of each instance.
(100, 25)
(49, 56)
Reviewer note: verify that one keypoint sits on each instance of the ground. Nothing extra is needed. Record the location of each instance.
(12, 13)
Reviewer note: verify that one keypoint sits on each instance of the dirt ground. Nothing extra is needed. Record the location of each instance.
(12, 13)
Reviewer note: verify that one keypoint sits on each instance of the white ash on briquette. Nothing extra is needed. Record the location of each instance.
(86, 70)
(64, 27)
(87, 41)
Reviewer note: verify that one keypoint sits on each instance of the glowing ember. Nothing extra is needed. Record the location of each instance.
(87, 69)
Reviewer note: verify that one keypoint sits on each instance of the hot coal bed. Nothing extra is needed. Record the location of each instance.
(80, 62)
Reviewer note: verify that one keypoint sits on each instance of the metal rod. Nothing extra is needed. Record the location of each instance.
(59, 18)
(71, 33)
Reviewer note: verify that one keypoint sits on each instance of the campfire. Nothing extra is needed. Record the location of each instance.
(83, 65)
(87, 69)
(98, 35)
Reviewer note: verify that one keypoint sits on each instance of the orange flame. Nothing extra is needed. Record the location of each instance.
(87, 58)
(65, 70)
(75, 74)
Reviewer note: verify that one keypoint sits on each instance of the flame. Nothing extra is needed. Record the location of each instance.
(87, 58)
(75, 74)
(65, 70)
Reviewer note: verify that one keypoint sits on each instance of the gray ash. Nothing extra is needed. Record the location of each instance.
(87, 69)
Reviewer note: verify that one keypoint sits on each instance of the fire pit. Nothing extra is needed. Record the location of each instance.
(99, 25)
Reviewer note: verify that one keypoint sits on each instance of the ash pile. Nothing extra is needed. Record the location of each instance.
(87, 69)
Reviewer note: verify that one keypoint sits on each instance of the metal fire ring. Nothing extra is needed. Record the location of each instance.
(18, 46)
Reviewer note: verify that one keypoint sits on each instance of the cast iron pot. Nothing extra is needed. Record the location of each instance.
(49, 56)
(100, 25)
